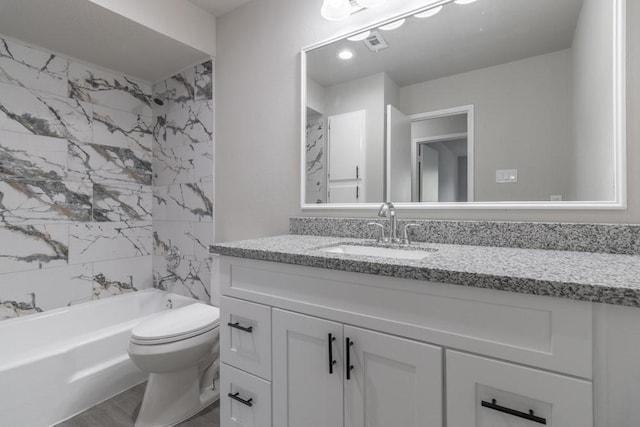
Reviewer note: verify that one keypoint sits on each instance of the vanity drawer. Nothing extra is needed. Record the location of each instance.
(471, 380)
(245, 336)
(245, 400)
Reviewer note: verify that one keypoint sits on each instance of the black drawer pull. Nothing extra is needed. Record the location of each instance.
(236, 325)
(530, 416)
(349, 366)
(236, 396)
(331, 361)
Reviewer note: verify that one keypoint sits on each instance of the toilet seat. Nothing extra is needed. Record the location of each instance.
(176, 325)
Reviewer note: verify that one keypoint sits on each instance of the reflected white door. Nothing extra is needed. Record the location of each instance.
(398, 155)
(428, 173)
(346, 172)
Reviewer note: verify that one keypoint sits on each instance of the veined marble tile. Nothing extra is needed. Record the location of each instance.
(160, 203)
(110, 90)
(122, 276)
(173, 233)
(202, 238)
(204, 81)
(121, 129)
(101, 241)
(32, 247)
(191, 124)
(102, 163)
(183, 164)
(177, 89)
(32, 68)
(32, 157)
(316, 163)
(44, 289)
(192, 278)
(184, 202)
(30, 111)
(37, 202)
(121, 202)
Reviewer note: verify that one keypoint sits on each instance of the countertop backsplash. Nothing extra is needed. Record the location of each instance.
(597, 238)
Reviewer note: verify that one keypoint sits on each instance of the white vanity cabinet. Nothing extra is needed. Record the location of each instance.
(420, 352)
(326, 374)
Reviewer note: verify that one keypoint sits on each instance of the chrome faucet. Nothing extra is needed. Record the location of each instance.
(387, 210)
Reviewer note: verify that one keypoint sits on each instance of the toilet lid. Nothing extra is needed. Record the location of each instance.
(178, 323)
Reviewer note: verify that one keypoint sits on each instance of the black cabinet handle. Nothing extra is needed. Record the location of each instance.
(527, 416)
(236, 396)
(236, 325)
(349, 365)
(331, 361)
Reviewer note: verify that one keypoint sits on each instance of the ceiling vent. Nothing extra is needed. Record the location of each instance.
(375, 42)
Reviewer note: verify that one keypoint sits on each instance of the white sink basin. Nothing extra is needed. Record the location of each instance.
(377, 252)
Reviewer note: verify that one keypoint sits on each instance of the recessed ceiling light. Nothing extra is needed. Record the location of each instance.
(345, 54)
(464, 1)
(429, 12)
(393, 25)
(360, 36)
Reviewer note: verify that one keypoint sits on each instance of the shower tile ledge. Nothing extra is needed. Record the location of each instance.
(581, 276)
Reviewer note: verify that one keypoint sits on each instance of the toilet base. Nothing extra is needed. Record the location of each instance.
(171, 398)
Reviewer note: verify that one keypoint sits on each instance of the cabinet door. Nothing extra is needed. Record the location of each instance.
(489, 393)
(394, 381)
(305, 392)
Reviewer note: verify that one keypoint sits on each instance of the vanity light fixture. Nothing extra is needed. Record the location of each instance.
(335, 10)
(360, 36)
(345, 54)
(393, 25)
(429, 12)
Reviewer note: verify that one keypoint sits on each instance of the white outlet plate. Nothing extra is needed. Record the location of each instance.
(504, 176)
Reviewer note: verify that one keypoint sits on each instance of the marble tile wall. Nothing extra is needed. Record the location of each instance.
(76, 195)
(183, 180)
(316, 182)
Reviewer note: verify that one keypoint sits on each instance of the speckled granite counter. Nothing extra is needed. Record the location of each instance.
(604, 278)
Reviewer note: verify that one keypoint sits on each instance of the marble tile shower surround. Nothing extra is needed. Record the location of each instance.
(75, 181)
(621, 239)
(183, 180)
(316, 163)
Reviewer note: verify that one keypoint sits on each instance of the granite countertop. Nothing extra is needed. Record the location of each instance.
(583, 276)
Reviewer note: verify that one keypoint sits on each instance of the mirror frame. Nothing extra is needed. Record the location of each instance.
(619, 134)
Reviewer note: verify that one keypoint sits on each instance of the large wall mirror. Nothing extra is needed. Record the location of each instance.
(482, 104)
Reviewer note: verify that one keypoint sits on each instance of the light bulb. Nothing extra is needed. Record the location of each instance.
(371, 3)
(335, 10)
(393, 25)
(429, 13)
(345, 54)
(360, 36)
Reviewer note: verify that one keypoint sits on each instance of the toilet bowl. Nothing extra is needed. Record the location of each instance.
(179, 349)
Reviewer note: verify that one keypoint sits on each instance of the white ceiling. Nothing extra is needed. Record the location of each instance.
(461, 38)
(83, 30)
(219, 7)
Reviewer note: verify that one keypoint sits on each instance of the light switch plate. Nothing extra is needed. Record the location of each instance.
(504, 176)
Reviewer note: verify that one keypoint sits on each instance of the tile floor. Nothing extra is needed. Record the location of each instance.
(120, 411)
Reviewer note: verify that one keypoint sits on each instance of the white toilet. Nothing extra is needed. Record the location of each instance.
(179, 349)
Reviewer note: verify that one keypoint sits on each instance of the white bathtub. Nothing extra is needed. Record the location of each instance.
(61, 362)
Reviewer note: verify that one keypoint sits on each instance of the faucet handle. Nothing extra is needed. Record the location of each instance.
(381, 237)
(405, 232)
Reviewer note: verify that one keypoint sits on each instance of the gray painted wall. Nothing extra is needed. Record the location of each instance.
(258, 82)
(592, 129)
(522, 115)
